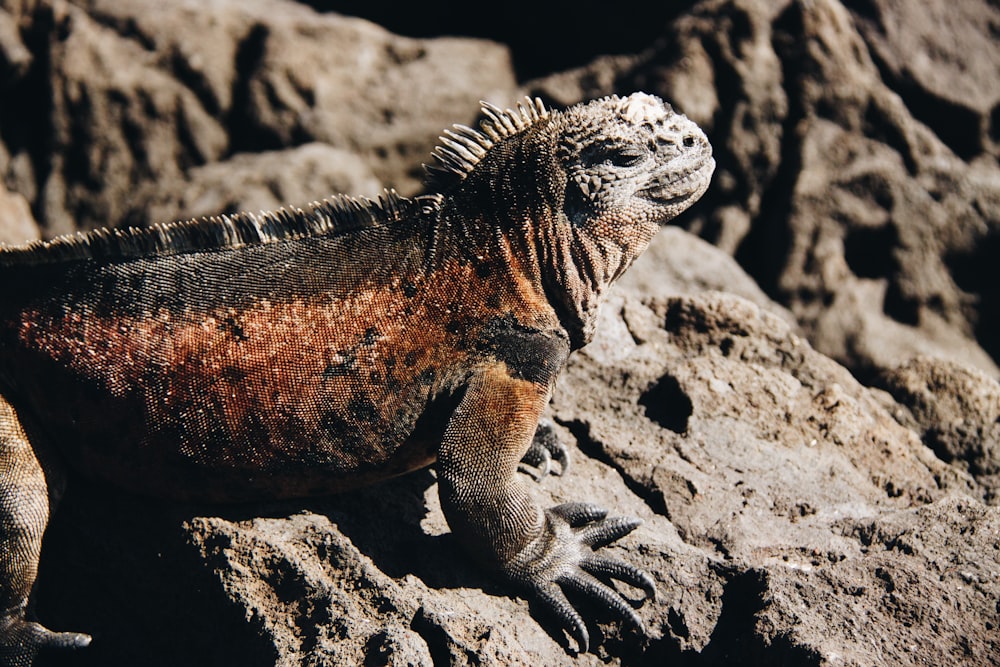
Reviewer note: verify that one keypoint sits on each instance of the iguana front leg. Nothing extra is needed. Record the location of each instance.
(489, 510)
(24, 513)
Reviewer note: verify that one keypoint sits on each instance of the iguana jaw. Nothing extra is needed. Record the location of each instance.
(680, 189)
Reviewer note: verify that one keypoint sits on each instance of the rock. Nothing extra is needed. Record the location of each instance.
(919, 592)
(776, 464)
(957, 412)
(678, 262)
(15, 58)
(256, 182)
(138, 94)
(872, 228)
(17, 225)
(937, 56)
(106, 133)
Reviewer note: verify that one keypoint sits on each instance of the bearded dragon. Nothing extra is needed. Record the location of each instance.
(312, 350)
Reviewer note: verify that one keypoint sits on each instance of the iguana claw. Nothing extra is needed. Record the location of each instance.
(21, 641)
(545, 446)
(556, 562)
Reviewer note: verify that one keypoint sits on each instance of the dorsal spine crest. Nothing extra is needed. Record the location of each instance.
(330, 216)
(462, 147)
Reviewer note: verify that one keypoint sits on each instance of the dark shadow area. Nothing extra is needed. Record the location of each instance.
(667, 405)
(543, 38)
(591, 447)
(954, 124)
(765, 249)
(735, 639)
(732, 94)
(383, 522)
(119, 568)
(245, 132)
(27, 125)
(880, 125)
(977, 271)
(899, 306)
(868, 251)
(994, 130)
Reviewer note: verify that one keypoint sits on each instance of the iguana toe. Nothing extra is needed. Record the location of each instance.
(608, 530)
(545, 447)
(583, 582)
(552, 598)
(610, 568)
(577, 514)
(21, 641)
(562, 559)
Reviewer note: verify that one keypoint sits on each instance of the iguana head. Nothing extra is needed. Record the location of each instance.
(631, 160)
(630, 153)
(581, 192)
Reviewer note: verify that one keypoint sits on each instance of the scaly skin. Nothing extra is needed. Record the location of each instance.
(310, 351)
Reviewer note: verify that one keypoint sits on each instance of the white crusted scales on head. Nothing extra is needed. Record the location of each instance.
(644, 108)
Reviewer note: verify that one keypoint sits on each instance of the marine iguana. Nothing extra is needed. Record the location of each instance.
(308, 351)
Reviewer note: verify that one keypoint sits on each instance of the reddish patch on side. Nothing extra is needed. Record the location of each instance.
(320, 383)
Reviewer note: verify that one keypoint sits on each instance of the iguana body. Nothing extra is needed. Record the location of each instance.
(308, 351)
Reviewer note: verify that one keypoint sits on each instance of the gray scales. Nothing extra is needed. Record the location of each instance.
(308, 351)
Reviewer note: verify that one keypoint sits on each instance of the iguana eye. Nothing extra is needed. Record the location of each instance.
(624, 156)
(616, 155)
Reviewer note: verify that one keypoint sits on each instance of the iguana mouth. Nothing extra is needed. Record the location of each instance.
(681, 186)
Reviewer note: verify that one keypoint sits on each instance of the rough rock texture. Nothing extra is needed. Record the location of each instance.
(124, 94)
(831, 190)
(957, 412)
(256, 182)
(937, 56)
(18, 224)
(793, 515)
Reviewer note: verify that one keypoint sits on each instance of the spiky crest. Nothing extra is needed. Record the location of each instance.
(463, 147)
(330, 216)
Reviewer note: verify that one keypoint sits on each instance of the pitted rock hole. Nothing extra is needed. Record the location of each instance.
(868, 251)
(977, 272)
(667, 405)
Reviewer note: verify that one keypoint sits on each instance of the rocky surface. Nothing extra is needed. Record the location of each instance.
(849, 197)
(120, 95)
(18, 224)
(802, 403)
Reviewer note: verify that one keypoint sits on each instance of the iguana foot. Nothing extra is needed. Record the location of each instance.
(21, 641)
(545, 446)
(558, 560)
